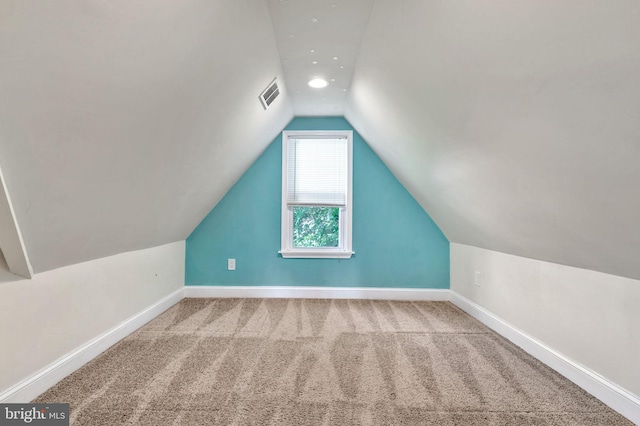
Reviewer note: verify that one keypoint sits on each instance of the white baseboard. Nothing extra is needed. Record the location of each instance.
(318, 292)
(621, 400)
(36, 384)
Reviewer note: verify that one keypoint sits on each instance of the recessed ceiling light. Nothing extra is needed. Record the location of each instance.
(315, 62)
(335, 58)
(318, 83)
(314, 20)
(312, 50)
(341, 66)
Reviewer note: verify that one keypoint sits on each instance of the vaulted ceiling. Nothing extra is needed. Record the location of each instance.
(514, 124)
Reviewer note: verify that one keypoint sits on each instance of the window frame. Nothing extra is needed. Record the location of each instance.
(344, 249)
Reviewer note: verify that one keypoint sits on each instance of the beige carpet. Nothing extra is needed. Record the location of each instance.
(321, 362)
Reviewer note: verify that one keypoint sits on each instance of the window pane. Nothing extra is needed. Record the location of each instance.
(316, 226)
(317, 171)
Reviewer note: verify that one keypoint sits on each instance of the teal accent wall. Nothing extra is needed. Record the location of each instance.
(395, 241)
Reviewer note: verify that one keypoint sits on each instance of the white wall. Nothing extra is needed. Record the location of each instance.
(14, 255)
(590, 317)
(55, 312)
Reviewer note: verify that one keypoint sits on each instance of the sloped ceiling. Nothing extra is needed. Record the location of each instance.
(319, 39)
(123, 123)
(514, 124)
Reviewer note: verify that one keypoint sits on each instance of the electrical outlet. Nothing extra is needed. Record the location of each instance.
(231, 264)
(478, 278)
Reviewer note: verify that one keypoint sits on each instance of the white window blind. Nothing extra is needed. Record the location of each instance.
(317, 171)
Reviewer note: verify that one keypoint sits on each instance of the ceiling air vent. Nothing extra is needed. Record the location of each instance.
(269, 94)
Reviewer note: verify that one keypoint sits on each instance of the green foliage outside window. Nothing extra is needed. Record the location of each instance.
(316, 226)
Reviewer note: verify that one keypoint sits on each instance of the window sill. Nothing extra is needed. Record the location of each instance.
(316, 254)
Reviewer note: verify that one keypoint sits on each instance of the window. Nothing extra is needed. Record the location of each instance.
(316, 194)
